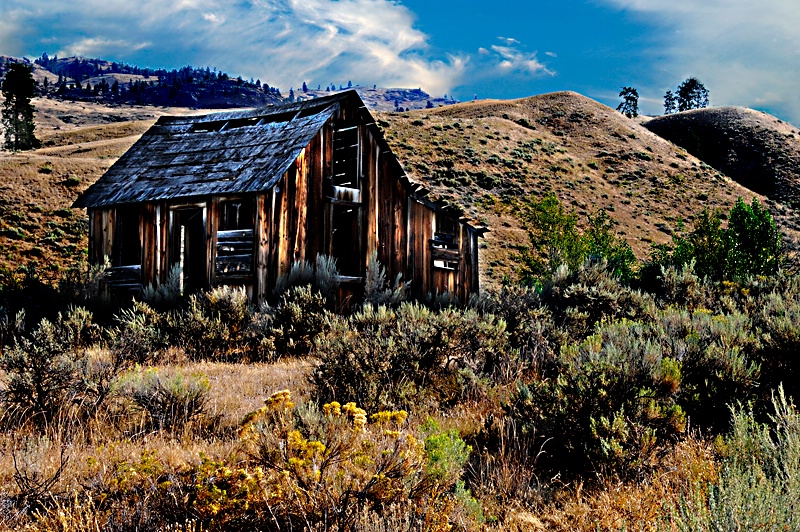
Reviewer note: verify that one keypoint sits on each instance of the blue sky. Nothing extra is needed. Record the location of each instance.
(746, 52)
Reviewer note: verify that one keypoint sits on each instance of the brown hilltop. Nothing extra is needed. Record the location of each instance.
(756, 149)
(485, 154)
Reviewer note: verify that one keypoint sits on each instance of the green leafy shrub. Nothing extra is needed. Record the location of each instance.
(555, 241)
(298, 319)
(531, 329)
(750, 245)
(612, 400)
(377, 288)
(166, 295)
(213, 324)
(322, 276)
(580, 298)
(776, 317)
(140, 334)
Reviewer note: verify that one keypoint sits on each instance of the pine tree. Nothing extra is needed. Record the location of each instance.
(630, 102)
(692, 95)
(17, 115)
(670, 103)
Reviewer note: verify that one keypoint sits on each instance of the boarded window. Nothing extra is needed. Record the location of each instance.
(235, 241)
(127, 247)
(445, 243)
(345, 157)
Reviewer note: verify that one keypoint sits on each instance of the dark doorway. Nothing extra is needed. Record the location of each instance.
(188, 248)
(126, 249)
(346, 239)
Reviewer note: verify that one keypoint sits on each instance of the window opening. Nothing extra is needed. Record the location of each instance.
(345, 158)
(445, 244)
(235, 240)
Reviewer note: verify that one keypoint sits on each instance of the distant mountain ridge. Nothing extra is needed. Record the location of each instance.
(101, 81)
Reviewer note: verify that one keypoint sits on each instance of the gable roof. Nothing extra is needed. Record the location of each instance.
(220, 153)
(232, 152)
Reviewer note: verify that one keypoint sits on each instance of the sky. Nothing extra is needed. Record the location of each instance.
(746, 52)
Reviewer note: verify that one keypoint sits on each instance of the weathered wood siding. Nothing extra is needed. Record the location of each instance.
(294, 218)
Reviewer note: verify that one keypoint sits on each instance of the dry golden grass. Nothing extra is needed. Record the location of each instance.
(93, 450)
(611, 505)
(590, 156)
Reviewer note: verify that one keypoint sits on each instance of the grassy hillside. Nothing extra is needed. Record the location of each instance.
(756, 149)
(586, 405)
(489, 155)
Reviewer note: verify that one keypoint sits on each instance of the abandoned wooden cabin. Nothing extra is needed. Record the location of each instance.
(236, 197)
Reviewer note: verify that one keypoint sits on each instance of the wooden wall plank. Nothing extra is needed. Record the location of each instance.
(163, 249)
(300, 207)
(148, 235)
(370, 196)
(315, 240)
(261, 252)
(212, 222)
(282, 218)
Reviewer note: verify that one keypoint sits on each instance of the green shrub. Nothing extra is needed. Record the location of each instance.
(323, 277)
(140, 334)
(378, 290)
(581, 298)
(750, 245)
(612, 400)
(170, 401)
(555, 241)
(776, 317)
(298, 319)
(41, 369)
(166, 295)
(759, 481)
(213, 324)
(393, 358)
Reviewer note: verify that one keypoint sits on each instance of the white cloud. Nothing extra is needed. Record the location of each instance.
(282, 42)
(745, 52)
(94, 47)
(511, 58)
(213, 18)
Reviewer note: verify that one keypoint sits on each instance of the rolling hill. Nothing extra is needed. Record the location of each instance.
(757, 150)
(487, 156)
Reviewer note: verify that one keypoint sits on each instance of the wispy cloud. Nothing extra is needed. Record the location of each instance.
(745, 52)
(92, 46)
(283, 42)
(511, 58)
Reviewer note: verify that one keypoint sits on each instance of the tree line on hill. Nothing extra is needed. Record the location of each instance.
(186, 86)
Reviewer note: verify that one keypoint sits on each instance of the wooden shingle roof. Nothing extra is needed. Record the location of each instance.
(220, 153)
